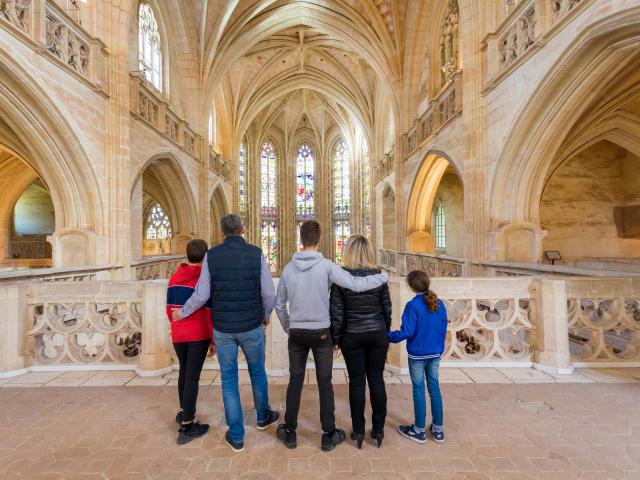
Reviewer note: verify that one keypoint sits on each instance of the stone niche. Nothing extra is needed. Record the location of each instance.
(518, 243)
(591, 205)
(73, 247)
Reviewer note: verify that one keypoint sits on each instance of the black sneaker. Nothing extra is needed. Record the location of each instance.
(437, 436)
(287, 436)
(272, 418)
(191, 431)
(236, 447)
(179, 417)
(332, 440)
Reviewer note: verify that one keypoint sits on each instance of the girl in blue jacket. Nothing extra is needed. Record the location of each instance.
(424, 327)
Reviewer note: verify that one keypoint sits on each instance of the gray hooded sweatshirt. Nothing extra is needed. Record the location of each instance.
(305, 284)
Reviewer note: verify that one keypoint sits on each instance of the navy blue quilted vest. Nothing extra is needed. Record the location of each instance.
(236, 295)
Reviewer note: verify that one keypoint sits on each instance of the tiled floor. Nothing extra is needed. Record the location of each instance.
(506, 429)
(211, 377)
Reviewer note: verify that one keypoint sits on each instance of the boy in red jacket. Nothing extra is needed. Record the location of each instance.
(191, 337)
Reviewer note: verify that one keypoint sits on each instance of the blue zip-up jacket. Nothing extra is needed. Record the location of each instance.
(424, 331)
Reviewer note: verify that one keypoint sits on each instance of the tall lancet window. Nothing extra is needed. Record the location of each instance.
(149, 51)
(269, 206)
(242, 173)
(440, 227)
(341, 197)
(366, 194)
(305, 188)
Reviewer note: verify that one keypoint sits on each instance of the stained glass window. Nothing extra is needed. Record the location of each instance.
(149, 54)
(341, 197)
(366, 195)
(440, 227)
(157, 225)
(269, 207)
(305, 183)
(269, 229)
(242, 171)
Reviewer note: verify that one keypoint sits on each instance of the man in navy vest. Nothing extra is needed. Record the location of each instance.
(237, 279)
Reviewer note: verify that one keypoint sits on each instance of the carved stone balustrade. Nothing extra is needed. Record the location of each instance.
(385, 166)
(442, 109)
(155, 268)
(388, 260)
(58, 274)
(434, 265)
(49, 30)
(218, 165)
(529, 25)
(149, 106)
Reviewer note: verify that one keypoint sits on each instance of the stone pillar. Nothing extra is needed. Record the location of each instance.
(553, 353)
(277, 353)
(155, 358)
(137, 221)
(397, 359)
(13, 304)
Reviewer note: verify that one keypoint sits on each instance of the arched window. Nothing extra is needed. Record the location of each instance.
(269, 206)
(440, 227)
(149, 51)
(449, 43)
(305, 187)
(157, 225)
(210, 130)
(242, 173)
(366, 194)
(341, 197)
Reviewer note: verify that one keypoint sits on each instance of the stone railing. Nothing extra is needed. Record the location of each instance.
(604, 320)
(218, 165)
(59, 274)
(148, 106)
(385, 166)
(388, 260)
(492, 321)
(155, 268)
(526, 28)
(442, 109)
(49, 29)
(512, 269)
(433, 264)
(86, 324)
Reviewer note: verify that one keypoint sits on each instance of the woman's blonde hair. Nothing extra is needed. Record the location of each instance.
(358, 253)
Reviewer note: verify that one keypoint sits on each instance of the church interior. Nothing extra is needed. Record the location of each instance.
(492, 144)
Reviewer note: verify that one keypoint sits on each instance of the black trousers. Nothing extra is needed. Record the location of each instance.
(191, 356)
(365, 355)
(321, 345)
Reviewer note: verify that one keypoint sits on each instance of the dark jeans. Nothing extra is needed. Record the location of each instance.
(320, 343)
(191, 356)
(365, 355)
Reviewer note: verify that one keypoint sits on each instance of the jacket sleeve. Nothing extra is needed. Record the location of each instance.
(336, 310)
(408, 327)
(357, 284)
(385, 299)
(281, 304)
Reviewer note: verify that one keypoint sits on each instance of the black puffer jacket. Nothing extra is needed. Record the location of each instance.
(353, 312)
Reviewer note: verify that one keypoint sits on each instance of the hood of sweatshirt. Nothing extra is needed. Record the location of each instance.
(307, 259)
(186, 275)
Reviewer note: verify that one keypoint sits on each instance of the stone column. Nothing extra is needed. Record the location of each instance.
(397, 359)
(553, 353)
(155, 358)
(13, 304)
(277, 354)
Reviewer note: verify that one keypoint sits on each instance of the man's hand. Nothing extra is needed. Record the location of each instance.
(336, 348)
(266, 322)
(212, 350)
(175, 316)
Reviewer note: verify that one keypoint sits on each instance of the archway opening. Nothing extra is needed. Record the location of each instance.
(389, 240)
(435, 218)
(27, 215)
(590, 206)
(218, 209)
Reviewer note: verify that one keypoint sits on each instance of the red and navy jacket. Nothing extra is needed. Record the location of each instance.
(196, 326)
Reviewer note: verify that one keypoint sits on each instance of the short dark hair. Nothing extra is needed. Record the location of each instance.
(310, 233)
(231, 225)
(196, 250)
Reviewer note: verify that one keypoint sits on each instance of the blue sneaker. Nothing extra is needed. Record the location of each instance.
(437, 436)
(408, 431)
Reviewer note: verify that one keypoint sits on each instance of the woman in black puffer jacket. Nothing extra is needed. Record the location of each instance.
(359, 325)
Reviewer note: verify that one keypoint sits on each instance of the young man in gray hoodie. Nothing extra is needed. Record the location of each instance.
(305, 284)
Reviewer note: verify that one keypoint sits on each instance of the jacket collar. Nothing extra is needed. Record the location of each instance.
(234, 240)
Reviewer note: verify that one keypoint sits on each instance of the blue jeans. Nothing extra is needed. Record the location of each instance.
(252, 344)
(418, 369)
